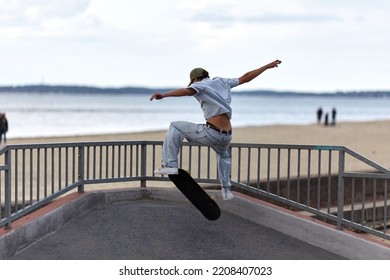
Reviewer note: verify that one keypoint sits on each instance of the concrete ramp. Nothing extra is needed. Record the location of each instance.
(159, 223)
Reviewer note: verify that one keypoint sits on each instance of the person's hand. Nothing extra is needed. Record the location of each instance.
(274, 63)
(157, 96)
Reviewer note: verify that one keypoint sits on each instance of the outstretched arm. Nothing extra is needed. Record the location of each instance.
(174, 93)
(247, 77)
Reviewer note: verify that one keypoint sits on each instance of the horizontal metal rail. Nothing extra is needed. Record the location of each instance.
(331, 183)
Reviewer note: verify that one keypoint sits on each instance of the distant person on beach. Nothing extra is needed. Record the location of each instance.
(214, 96)
(3, 128)
(319, 115)
(326, 121)
(334, 112)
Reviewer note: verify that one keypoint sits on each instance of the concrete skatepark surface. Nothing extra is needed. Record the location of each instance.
(160, 224)
(161, 230)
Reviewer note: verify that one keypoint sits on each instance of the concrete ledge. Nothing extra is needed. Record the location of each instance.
(31, 228)
(341, 242)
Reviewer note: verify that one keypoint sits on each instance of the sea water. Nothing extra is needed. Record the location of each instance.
(43, 114)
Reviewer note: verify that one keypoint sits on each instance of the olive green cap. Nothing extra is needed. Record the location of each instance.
(197, 73)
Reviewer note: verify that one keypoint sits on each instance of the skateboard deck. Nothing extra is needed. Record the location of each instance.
(196, 195)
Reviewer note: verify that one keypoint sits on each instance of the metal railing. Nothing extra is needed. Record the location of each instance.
(325, 182)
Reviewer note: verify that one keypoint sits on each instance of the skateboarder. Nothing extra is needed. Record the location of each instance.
(214, 96)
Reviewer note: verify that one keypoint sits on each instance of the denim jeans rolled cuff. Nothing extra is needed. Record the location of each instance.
(199, 133)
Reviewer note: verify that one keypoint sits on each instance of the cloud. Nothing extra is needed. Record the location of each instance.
(131, 42)
(32, 11)
(44, 18)
(227, 20)
(294, 18)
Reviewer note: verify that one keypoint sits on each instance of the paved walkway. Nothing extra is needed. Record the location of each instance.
(149, 229)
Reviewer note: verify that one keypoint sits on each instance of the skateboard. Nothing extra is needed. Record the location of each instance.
(196, 195)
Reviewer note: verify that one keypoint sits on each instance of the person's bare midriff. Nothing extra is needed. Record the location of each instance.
(221, 121)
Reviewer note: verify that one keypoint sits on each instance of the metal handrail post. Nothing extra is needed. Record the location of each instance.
(143, 164)
(81, 169)
(8, 172)
(340, 188)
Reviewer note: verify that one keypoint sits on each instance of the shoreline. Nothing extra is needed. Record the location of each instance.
(368, 138)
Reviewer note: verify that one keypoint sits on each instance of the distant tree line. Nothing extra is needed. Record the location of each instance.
(144, 90)
(73, 89)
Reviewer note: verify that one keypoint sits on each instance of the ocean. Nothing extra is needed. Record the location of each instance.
(65, 114)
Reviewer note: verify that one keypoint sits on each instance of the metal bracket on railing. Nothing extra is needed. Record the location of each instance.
(8, 189)
(340, 195)
(143, 164)
(81, 169)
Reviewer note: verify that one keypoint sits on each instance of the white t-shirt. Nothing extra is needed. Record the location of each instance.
(214, 95)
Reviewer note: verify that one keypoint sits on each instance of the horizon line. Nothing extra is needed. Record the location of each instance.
(145, 89)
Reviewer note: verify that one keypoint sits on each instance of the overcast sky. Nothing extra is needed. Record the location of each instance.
(325, 45)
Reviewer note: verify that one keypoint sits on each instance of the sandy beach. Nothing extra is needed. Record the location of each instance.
(370, 139)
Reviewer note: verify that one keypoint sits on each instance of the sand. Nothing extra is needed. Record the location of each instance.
(370, 139)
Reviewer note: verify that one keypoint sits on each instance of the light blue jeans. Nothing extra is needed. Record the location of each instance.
(199, 133)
